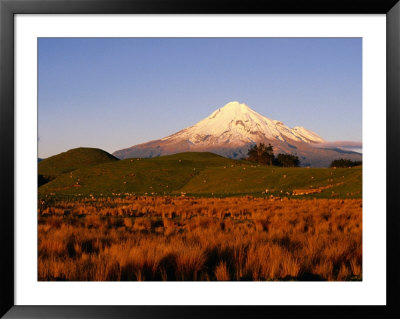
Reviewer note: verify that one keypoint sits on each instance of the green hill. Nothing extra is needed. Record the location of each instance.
(153, 175)
(71, 160)
(204, 174)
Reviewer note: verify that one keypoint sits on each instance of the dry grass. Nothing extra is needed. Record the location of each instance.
(167, 238)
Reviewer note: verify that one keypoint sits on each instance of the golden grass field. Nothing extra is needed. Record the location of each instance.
(181, 238)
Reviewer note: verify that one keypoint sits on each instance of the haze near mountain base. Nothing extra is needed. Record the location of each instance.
(232, 129)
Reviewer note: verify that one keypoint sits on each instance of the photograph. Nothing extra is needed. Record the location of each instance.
(200, 159)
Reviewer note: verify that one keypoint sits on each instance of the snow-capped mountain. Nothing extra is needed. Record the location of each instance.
(231, 130)
(237, 124)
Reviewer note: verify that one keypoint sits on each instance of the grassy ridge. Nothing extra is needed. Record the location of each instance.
(203, 174)
(73, 159)
(276, 180)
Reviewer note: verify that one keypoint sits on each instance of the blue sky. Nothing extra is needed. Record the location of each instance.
(117, 92)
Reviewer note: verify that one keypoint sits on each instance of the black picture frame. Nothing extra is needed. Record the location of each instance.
(8, 8)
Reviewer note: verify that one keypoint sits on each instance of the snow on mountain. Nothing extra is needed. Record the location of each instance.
(237, 124)
(305, 135)
(232, 129)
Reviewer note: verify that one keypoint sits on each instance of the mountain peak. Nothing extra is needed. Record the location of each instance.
(236, 106)
(231, 110)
